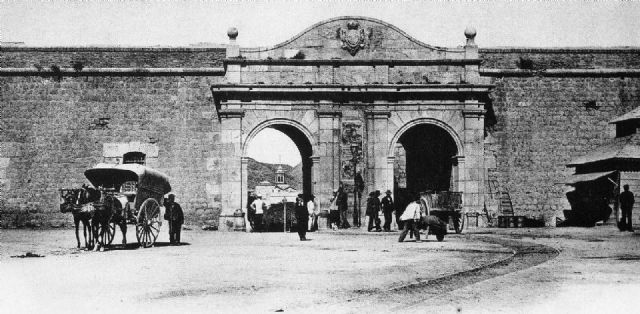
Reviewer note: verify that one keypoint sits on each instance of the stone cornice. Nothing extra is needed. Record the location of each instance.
(70, 72)
(362, 94)
(110, 49)
(352, 62)
(333, 88)
(561, 72)
(560, 50)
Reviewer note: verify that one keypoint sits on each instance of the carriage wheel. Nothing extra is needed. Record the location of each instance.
(148, 223)
(107, 234)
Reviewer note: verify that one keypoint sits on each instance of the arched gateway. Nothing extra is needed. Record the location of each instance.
(350, 92)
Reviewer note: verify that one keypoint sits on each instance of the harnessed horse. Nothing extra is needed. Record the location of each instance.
(79, 203)
(108, 209)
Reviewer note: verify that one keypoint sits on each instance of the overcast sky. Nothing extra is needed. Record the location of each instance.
(265, 23)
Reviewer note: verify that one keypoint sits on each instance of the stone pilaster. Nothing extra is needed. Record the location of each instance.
(315, 174)
(326, 164)
(457, 173)
(377, 159)
(231, 160)
(473, 165)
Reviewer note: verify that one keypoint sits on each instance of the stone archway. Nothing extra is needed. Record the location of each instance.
(424, 154)
(300, 136)
(428, 121)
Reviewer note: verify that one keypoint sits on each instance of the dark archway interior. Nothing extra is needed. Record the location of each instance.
(429, 150)
(305, 149)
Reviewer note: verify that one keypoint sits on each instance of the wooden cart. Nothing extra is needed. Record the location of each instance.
(445, 205)
(120, 183)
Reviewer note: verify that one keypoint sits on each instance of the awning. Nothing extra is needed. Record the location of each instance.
(631, 115)
(586, 177)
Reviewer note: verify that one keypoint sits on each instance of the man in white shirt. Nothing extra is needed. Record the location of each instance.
(314, 211)
(259, 206)
(411, 216)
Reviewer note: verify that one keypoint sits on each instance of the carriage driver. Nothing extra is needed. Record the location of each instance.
(173, 213)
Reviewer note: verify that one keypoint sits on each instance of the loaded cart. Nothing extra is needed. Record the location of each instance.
(129, 194)
(442, 208)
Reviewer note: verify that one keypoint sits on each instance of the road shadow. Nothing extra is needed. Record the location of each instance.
(135, 246)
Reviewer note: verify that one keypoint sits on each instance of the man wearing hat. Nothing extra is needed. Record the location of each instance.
(387, 210)
(373, 207)
(259, 206)
(173, 213)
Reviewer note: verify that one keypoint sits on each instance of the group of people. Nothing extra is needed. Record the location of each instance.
(305, 211)
(375, 206)
(338, 211)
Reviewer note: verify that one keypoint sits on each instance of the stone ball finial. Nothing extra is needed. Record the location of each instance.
(470, 32)
(232, 32)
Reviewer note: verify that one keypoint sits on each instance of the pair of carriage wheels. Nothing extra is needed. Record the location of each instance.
(147, 225)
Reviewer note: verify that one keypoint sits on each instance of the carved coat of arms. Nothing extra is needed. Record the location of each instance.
(353, 38)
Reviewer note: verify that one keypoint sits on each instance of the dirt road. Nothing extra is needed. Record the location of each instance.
(518, 270)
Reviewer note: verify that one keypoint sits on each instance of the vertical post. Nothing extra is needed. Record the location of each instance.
(284, 214)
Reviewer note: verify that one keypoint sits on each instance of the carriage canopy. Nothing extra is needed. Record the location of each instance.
(110, 175)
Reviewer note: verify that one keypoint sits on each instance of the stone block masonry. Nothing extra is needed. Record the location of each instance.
(98, 57)
(53, 128)
(53, 131)
(542, 124)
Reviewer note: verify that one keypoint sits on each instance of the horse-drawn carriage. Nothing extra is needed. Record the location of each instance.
(122, 194)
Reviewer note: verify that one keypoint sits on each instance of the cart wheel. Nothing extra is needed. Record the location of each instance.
(107, 234)
(440, 237)
(148, 223)
(458, 223)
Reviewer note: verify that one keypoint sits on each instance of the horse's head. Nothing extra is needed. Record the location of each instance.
(69, 198)
(89, 194)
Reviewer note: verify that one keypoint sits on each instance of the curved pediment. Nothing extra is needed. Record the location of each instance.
(353, 37)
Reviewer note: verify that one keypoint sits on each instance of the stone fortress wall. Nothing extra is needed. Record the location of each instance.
(542, 117)
(56, 124)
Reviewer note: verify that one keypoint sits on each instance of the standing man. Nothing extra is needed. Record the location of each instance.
(173, 213)
(314, 211)
(373, 207)
(358, 184)
(626, 205)
(250, 211)
(302, 217)
(258, 206)
(411, 216)
(342, 207)
(334, 213)
(387, 210)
